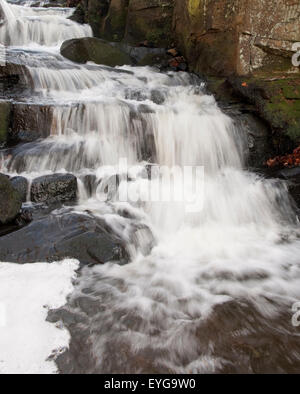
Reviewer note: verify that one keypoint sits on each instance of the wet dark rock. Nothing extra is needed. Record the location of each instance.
(5, 110)
(21, 185)
(157, 96)
(56, 237)
(54, 188)
(258, 144)
(30, 122)
(23, 218)
(14, 79)
(10, 201)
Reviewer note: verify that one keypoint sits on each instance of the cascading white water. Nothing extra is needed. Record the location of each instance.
(43, 26)
(242, 248)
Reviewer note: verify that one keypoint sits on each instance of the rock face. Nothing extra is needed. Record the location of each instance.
(65, 236)
(149, 20)
(14, 78)
(224, 37)
(30, 122)
(93, 49)
(10, 201)
(54, 188)
(218, 37)
(130, 20)
(274, 99)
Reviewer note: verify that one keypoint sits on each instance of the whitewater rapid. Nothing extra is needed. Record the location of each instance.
(168, 310)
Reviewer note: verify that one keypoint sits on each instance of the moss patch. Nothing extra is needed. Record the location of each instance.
(277, 99)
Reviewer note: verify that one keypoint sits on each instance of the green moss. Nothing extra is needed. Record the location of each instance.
(194, 8)
(281, 104)
(277, 98)
(285, 114)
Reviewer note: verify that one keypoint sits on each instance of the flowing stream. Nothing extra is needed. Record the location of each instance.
(214, 290)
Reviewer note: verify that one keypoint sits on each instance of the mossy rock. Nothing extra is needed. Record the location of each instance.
(4, 120)
(277, 99)
(10, 201)
(95, 50)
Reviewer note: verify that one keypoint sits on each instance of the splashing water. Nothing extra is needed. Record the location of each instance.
(214, 293)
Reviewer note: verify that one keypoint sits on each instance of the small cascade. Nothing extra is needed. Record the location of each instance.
(23, 26)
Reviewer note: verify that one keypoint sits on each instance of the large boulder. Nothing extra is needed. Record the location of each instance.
(56, 237)
(54, 188)
(10, 201)
(112, 54)
(83, 50)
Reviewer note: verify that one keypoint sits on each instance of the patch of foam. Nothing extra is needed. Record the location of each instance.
(26, 293)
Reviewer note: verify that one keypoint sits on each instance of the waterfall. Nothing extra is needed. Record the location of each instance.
(163, 311)
(41, 26)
